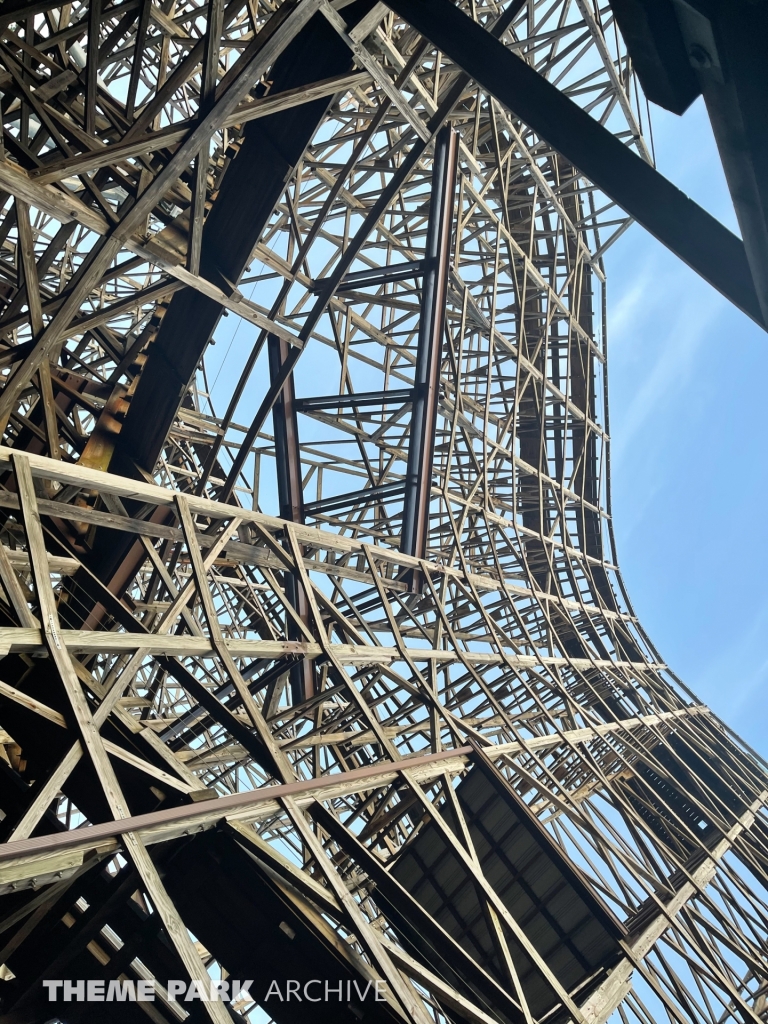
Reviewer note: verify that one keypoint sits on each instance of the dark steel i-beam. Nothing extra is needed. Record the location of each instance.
(397, 396)
(418, 480)
(690, 232)
(374, 276)
(367, 495)
(291, 497)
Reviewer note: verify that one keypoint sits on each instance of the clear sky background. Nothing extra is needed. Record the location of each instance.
(689, 428)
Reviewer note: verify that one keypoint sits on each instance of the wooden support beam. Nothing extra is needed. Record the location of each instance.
(604, 1000)
(93, 742)
(406, 996)
(55, 643)
(282, 28)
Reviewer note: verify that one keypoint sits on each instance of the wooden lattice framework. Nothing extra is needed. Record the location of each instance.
(301, 619)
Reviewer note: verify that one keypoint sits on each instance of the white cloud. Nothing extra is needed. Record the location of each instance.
(662, 360)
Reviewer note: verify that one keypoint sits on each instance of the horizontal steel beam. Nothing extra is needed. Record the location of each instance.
(683, 226)
(364, 398)
(367, 495)
(375, 275)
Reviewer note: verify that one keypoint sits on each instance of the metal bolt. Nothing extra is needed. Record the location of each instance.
(699, 56)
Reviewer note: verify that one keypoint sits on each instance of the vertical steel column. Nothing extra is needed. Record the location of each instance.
(287, 454)
(418, 481)
(725, 41)
(291, 499)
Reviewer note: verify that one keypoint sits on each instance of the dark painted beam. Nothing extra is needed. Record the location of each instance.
(375, 276)
(183, 730)
(716, 48)
(655, 43)
(421, 443)
(287, 451)
(690, 232)
(290, 493)
(397, 396)
(220, 713)
(368, 495)
(726, 41)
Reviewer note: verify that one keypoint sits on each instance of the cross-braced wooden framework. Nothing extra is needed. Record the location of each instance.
(291, 630)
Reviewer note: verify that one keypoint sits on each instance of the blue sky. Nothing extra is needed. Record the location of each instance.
(689, 427)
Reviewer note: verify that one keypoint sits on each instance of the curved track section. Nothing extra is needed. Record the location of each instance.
(317, 663)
